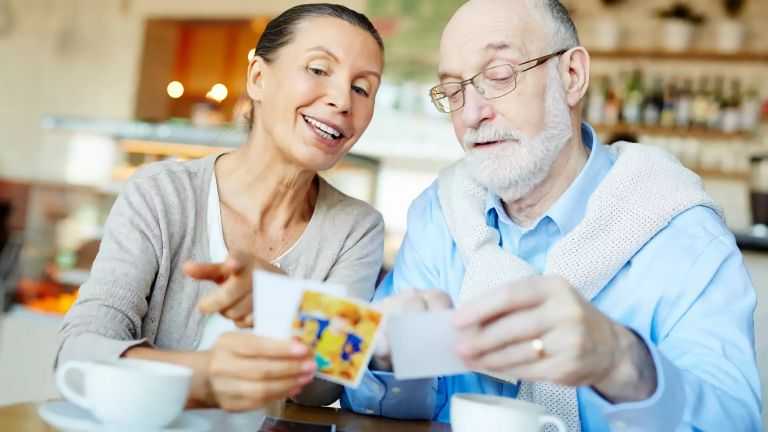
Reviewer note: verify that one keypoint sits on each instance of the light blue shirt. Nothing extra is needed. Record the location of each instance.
(686, 293)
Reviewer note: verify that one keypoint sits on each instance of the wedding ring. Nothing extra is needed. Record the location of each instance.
(538, 346)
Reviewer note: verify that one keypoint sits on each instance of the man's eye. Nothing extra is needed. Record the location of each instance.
(499, 77)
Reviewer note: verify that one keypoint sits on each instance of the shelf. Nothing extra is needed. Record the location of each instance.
(663, 131)
(720, 175)
(630, 54)
(160, 148)
(221, 136)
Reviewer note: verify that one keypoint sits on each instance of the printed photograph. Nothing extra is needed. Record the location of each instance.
(341, 333)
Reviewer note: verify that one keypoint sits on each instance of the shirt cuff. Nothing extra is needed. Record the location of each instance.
(379, 393)
(662, 411)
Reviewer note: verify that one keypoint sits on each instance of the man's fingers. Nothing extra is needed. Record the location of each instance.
(507, 357)
(557, 369)
(506, 330)
(406, 301)
(500, 301)
(437, 299)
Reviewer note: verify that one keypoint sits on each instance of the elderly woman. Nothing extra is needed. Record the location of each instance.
(312, 84)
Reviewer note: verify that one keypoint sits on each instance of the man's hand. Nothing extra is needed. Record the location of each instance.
(541, 329)
(412, 300)
(234, 296)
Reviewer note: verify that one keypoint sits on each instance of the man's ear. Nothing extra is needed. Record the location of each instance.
(255, 79)
(574, 71)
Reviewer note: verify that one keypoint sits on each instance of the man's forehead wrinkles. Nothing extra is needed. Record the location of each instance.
(472, 55)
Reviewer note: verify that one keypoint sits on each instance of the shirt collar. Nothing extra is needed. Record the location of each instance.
(570, 208)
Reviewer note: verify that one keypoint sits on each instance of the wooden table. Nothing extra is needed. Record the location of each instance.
(24, 418)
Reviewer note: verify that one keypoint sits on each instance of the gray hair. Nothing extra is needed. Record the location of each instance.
(564, 34)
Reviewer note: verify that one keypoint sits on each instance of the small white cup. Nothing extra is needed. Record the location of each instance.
(129, 392)
(476, 412)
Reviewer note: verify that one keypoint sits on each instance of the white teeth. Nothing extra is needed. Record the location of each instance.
(333, 133)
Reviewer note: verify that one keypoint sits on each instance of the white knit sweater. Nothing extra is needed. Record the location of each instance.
(644, 190)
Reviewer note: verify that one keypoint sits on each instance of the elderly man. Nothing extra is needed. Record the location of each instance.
(600, 281)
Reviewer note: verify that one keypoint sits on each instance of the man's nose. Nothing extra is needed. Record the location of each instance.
(476, 110)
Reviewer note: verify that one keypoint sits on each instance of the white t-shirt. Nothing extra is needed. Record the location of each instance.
(216, 324)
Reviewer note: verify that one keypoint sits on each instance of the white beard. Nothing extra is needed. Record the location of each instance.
(512, 169)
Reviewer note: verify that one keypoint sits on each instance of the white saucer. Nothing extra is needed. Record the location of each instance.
(68, 417)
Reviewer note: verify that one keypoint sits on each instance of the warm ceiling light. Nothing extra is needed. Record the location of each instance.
(175, 89)
(218, 92)
(251, 54)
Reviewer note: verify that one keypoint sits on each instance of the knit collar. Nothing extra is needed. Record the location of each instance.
(570, 208)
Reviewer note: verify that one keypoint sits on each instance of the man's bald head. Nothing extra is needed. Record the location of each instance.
(548, 21)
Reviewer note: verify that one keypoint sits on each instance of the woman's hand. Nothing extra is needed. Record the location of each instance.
(234, 297)
(248, 372)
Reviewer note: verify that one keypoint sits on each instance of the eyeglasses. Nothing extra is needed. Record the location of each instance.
(492, 83)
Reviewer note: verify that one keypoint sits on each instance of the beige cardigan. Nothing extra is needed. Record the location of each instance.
(137, 292)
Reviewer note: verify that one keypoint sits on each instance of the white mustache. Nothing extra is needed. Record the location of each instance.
(486, 133)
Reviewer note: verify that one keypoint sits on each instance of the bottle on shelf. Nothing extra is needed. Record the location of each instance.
(631, 111)
(731, 113)
(684, 109)
(717, 104)
(612, 105)
(595, 106)
(750, 110)
(670, 101)
(653, 103)
(701, 101)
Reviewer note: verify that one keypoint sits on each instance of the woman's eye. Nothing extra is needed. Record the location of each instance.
(359, 90)
(316, 71)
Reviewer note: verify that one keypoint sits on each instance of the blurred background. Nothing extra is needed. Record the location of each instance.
(92, 89)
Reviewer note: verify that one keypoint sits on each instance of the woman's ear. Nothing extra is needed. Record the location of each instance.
(255, 80)
(574, 70)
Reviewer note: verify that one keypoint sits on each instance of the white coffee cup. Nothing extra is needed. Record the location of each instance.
(129, 392)
(476, 412)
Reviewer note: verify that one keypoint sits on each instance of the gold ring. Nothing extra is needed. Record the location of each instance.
(538, 345)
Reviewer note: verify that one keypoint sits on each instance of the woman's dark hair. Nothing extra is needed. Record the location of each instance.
(280, 31)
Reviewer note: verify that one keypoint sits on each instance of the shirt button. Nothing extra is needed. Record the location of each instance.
(369, 411)
(618, 424)
(395, 390)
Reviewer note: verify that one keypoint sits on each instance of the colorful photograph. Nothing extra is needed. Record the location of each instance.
(340, 332)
